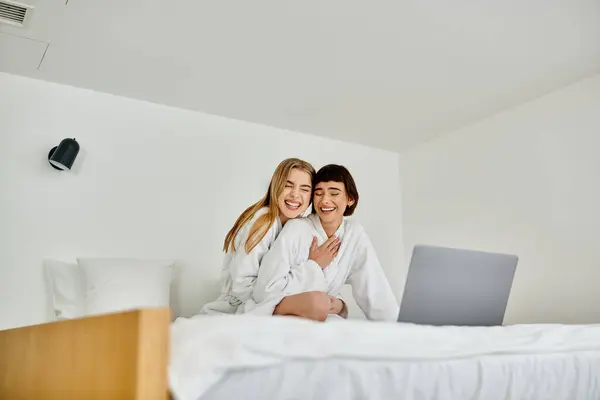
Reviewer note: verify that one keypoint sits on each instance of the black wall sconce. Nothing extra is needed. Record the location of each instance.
(61, 157)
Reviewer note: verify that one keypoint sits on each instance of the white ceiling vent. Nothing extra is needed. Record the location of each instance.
(14, 13)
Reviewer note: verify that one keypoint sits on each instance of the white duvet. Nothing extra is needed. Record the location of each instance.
(205, 348)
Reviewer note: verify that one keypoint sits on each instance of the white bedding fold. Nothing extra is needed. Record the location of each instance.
(204, 348)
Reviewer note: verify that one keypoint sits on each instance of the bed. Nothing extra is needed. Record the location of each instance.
(141, 354)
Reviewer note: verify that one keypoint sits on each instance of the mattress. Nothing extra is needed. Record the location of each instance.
(244, 356)
(559, 377)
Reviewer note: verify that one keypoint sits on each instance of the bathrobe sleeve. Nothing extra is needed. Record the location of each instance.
(243, 267)
(370, 287)
(283, 272)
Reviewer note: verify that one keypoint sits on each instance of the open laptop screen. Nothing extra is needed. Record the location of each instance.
(448, 286)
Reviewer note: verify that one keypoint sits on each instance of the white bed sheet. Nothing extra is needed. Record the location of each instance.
(358, 359)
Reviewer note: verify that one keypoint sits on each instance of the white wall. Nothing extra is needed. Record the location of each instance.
(152, 181)
(527, 182)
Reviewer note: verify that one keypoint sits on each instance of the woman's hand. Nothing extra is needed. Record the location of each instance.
(311, 305)
(325, 253)
(337, 306)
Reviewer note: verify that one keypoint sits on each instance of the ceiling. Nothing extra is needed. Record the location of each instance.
(387, 74)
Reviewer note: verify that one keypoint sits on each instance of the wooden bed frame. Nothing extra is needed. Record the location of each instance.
(114, 356)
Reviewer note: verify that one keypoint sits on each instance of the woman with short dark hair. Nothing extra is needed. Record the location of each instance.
(295, 264)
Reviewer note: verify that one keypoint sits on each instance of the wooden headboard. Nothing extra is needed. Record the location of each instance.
(113, 356)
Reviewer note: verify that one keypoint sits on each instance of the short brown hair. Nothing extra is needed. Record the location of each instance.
(339, 173)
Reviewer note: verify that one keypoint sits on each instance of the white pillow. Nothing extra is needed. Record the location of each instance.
(66, 289)
(118, 284)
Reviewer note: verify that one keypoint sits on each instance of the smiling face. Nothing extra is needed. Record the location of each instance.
(295, 197)
(330, 201)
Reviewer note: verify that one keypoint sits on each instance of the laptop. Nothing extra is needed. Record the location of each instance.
(459, 287)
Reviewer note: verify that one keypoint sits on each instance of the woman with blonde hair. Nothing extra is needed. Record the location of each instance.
(288, 197)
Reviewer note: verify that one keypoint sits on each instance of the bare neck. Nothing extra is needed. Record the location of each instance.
(283, 219)
(331, 227)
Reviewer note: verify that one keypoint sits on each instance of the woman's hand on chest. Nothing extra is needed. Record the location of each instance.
(325, 253)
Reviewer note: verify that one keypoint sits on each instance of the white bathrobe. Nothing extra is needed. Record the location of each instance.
(286, 269)
(240, 269)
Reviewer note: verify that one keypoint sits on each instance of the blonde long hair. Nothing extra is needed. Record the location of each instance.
(270, 200)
